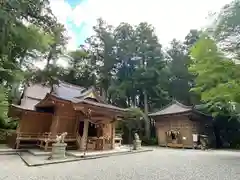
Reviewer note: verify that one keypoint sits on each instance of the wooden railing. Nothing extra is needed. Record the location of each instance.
(48, 136)
(42, 139)
(28, 136)
(99, 143)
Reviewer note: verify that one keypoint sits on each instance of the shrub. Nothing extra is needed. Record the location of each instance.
(149, 142)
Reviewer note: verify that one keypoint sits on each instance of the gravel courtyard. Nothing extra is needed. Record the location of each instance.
(159, 164)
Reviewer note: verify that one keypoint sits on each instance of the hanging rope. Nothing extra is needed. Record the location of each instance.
(170, 132)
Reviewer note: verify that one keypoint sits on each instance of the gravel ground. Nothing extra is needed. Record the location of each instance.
(159, 164)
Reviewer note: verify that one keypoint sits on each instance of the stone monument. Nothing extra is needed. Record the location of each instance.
(59, 148)
(136, 142)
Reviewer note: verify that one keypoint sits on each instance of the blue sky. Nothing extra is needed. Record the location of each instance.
(74, 3)
(79, 30)
(171, 18)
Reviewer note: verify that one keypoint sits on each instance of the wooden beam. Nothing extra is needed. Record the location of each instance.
(96, 109)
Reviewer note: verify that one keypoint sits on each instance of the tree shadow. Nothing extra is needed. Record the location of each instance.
(227, 132)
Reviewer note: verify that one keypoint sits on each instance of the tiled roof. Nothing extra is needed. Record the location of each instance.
(63, 90)
(173, 108)
(36, 91)
(32, 95)
(66, 90)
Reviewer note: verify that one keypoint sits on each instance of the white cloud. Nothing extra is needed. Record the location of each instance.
(171, 18)
(63, 11)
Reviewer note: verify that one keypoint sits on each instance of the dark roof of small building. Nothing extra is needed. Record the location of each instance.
(173, 108)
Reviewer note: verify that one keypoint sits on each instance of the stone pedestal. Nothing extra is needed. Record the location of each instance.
(137, 144)
(58, 150)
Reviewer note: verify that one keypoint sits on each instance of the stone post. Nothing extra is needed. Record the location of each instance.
(58, 150)
(84, 136)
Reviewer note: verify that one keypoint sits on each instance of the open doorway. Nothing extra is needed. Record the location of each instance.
(93, 130)
(49, 109)
(173, 136)
(80, 128)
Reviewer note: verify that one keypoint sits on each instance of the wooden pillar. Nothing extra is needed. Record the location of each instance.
(18, 130)
(85, 135)
(54, 125)
(113, 135)
(77, 122)
(20, 123)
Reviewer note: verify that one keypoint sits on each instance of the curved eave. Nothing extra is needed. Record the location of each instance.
(76, 102)
(49, 100)
(171, 114)
(179, 109)
(99, 107)
(15, 111)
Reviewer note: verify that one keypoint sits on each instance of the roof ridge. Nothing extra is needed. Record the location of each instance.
(164, 107)
(69, 85)
(83, 94)
(33, 98)
(182, 105)
(188, 108)
(93, 90)
(174, 102)
(87, 89)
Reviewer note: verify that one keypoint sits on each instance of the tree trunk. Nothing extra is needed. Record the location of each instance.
(49, 57)
(147, 121)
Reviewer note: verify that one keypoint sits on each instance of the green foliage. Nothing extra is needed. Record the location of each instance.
(149, 142)
(80, 71)
(3, 106)
(217, 78)
(226, 27)
(126, 64)
(179, 75)
(139, 66)
(28, 30)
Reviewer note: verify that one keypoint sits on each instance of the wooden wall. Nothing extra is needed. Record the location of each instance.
(182, 124)
(107, 130)
(65, 118)
(35, 122)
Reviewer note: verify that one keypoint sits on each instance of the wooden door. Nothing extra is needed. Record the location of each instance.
(99, 144)
(161, 137)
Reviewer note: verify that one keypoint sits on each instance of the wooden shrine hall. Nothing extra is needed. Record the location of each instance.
(45, 112)
(178, 125)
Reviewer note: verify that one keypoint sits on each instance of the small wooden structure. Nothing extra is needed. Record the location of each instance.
(180, 126)
(82, 113)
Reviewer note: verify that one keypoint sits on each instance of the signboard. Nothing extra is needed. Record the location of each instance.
(195, 137)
